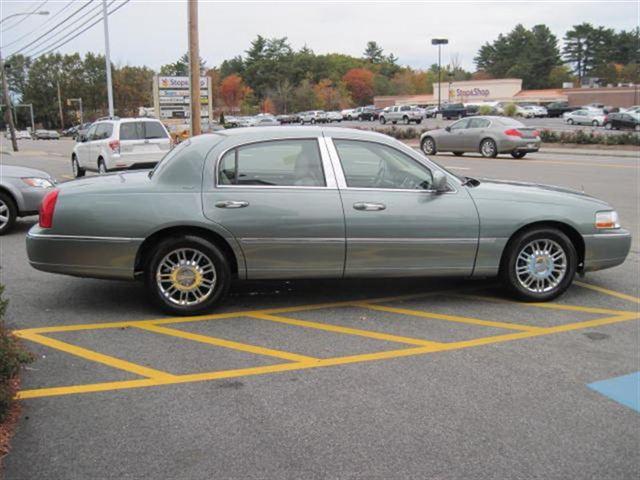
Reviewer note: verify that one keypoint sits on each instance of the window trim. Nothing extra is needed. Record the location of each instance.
(327, 167)
(342, 181)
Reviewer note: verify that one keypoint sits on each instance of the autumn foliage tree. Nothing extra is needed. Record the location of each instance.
(359, 83)
(233, 91)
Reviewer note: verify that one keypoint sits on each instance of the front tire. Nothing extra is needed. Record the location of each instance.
(77, 170)
(539, 264)
(8, 213)
(405, 120)
(187, 275)
(595, 123)
(488, 148)
(458, 154)
(428, 146)
(570, 121)
(382, 120)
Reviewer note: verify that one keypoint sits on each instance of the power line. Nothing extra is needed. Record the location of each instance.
(24, 17)
(53, 28)
(39, 27)
(97, 8)
(82, 31)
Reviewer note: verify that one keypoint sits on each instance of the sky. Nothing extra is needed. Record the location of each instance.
(154, 33)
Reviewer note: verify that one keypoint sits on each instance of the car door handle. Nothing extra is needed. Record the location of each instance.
(232, 204)
(369, 207)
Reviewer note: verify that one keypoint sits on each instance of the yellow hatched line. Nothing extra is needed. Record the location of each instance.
(219, 342)
(294, 366)
(450, 318)
(606, 291)
(346, 330)
(95, 356)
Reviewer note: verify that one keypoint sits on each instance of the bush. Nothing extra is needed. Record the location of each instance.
(510, 109)
(12, 356)
(485, 110)
(581, 137)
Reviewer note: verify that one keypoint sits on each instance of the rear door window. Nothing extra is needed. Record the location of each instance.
(131, 131)
(103, 131)
(460, 124)
(154, 130)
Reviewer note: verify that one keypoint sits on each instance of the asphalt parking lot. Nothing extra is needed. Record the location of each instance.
(376, 379)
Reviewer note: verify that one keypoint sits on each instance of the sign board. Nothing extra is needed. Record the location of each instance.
(171, 97)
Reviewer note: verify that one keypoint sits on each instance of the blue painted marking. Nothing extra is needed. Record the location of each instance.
(624, 389)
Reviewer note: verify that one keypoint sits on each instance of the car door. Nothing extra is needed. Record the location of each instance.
(280, 200)
(395, 224)
(453, 138)
(474, 133)
(83, 149)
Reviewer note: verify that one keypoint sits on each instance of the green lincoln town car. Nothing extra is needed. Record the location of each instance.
(315, 202)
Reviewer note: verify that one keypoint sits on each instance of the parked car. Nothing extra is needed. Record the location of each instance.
(347, 113)
(288, 118)
(524, 112)
(41, 134)
(487, 135)
(401, 113)
(54, 135)
(294, 202)
(334, 117)
(538, 111)
(313, 117)
(585, 117)
(23, 135)
(619, 121)
(431, 112)
(557, 109)
(120, 143)
(364, 113)
(263, 121)
(21, 191)
(453, 110)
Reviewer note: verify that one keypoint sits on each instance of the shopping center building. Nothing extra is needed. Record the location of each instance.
(510, 90)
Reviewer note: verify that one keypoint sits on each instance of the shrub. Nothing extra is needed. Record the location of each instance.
(510, 109)
(12, 356)
(485, 110)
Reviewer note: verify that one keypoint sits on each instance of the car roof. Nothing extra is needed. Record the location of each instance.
(282, 132)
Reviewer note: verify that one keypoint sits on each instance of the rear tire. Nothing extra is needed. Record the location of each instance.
(428, 146)
(539, 264)
(77, 170)
(405, 120)
(187, 275)
(102, 167)
(488, 148)
(595, 123)
(570, 121)
(8, 213)
(517, 154)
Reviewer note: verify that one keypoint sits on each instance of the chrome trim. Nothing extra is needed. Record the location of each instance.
(382, 240)
(84, 238)
(287, 240)
(328, 173)
(427, 241)
(600, 235)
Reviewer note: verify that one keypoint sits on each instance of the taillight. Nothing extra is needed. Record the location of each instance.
(114, 145)
(47, 207)
(513, 132)
(536, 133)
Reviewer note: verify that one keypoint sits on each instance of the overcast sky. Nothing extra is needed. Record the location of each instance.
(153, 33)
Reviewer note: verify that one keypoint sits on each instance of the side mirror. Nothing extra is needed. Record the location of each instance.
(447, 128)
(439, 181)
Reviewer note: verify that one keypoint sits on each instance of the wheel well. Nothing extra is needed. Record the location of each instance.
(146, 248)
(568, 230)
(11, 197)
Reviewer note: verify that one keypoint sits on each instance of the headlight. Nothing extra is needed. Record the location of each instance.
(38, 182)
(607, 220)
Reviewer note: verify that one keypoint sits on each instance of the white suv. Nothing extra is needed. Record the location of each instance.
(119, 143)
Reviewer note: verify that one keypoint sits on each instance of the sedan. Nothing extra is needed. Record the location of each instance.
(485, 134)
(21, 191)
(313, 202)
(585, 116)
(622, 120)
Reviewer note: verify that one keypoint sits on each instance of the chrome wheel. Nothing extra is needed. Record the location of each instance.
(4, 214)
(186, 276)
(488, 148)
(541, 266)
(429, 146)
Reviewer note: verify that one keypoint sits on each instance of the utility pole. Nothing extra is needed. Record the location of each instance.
(7, 101)
(439, 42)
(194, 68)
(60, 106)
(107, 56)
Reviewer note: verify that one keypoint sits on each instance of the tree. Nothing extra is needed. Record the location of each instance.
(359, 83)
(587, 48)
(233, 91)
(267, 106)
(373, 53)
(559, 75)
(304, 97)
(17, 68)
(132, 88)
(181, 67)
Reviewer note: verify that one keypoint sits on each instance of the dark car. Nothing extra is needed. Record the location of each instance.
(365, 113)
(288, 118)
(622, 120)
(453, 111)
(556, 109)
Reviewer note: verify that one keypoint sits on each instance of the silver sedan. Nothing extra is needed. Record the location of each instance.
(21, 191)
(485, 134)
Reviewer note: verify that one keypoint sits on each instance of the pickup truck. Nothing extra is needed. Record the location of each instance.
(454, 110)
(404, 114)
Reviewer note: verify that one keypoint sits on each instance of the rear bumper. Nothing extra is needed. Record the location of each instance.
(97, 257)
(606, 250)
(519, 145)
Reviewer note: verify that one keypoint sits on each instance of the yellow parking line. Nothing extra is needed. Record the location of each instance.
(547, 305)
(219, 342)
(95, 356)
(450, 318)
(606, 291)
(346, 330)
(294, 366)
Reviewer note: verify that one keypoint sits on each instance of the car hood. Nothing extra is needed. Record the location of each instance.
(19, 172)
(531, 192)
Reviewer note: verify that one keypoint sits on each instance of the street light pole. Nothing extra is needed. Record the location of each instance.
(194, 68)
(439, 42)
(107, 56)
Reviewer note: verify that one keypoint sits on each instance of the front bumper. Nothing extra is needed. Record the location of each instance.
(606, 250)
(29, 204)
